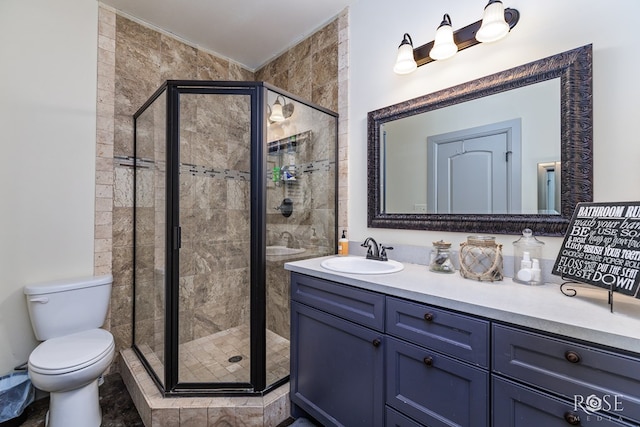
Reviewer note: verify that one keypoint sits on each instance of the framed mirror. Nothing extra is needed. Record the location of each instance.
(505, 152)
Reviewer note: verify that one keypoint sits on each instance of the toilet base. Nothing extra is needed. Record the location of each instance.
(75, 408)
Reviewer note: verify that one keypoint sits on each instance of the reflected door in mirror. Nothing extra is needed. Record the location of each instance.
(475, 170)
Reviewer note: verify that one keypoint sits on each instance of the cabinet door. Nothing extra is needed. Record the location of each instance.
(518, 406)
(434, 389)
(336, 369)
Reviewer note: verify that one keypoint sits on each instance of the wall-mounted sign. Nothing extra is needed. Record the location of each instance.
(602, 247)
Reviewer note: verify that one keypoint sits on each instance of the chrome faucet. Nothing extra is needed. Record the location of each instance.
(291, 241)
(375, 252)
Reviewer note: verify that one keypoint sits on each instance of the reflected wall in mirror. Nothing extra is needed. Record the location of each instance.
(494, 137)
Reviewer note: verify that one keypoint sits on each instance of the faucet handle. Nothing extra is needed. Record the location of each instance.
(383, 252)
(366, 245)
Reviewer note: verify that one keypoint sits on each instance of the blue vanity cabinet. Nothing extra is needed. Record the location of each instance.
(337, 353)
(363, 358)
(575, 383)
(437, 365)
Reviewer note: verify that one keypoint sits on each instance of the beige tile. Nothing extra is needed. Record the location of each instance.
(103, 231)
(106, 16)
(277, 411)
(165, 417)
(250, 416)
(193, 417)
(221, 417)
(104, 164)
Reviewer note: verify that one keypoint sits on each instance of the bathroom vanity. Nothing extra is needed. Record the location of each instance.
(416, 348)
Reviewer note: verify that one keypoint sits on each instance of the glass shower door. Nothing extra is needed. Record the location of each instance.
(301, 210)
(149, 175)
(211, 294)
(215, 222)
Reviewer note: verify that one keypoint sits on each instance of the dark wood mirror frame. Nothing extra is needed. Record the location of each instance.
(574, 68)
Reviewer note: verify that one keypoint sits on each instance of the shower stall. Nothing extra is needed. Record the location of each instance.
(231, 180)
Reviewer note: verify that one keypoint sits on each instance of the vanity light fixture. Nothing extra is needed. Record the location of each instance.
(490, 28)
(494, 27)
(405, 62)
(443, 46)
(280, 111)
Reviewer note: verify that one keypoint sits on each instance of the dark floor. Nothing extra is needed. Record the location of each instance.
(117, 407)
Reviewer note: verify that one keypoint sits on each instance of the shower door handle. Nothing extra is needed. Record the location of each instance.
(177, 238)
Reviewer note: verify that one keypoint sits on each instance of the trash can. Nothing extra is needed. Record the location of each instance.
(16, 393)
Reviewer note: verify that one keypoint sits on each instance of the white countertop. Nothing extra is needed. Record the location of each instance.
(585, 316)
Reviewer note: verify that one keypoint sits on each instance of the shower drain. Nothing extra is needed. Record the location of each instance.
(235, 359)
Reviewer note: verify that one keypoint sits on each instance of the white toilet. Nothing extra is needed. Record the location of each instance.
(67, 315)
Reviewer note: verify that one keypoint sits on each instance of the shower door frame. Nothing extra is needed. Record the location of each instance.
(257, 317)
(258, 238)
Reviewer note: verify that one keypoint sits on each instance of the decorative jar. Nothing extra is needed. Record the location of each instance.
(527, 256)
(481, 259)
(440, 258)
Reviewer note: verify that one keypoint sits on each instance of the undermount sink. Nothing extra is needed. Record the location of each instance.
(360, 265)
(283, 250)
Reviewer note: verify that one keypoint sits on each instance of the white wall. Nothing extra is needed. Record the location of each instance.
(546, 27)
(48, 63)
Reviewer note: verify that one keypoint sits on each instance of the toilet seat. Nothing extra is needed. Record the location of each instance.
(71, 352)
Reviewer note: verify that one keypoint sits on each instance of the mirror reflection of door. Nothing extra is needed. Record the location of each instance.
(475, 170)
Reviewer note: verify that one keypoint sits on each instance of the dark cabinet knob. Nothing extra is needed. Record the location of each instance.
(428, 317)
(428, 361)
(376, 342)
(572, 418)
(572, 357)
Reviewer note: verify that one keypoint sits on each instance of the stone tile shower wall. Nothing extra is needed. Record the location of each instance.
(133, 60)
(142, 60)
(317, 69)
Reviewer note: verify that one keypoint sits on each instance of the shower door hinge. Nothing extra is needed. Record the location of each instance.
(177, 238)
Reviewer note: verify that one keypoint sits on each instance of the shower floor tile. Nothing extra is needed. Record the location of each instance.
(206, 359)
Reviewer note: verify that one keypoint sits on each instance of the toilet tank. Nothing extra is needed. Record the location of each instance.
(63, 307)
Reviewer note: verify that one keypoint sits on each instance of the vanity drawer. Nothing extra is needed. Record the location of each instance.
(357, 305)
(569, 369)
(464, 337)
(396, 419)
(519, 406)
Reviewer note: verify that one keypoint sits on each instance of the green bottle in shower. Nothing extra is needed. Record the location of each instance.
(276, 174)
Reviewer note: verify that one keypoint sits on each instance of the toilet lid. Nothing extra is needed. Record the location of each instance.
(71, 352)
